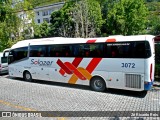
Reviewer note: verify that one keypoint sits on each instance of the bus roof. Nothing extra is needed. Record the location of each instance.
(63, 40)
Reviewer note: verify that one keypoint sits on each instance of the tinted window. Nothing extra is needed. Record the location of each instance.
(38, 51)
(76, 50)
(136, 49)
(139, 49)
(60, 51)
(4, 59)
(88, 50)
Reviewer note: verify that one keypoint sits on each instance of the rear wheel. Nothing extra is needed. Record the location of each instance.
(27, 76)
(98, 84)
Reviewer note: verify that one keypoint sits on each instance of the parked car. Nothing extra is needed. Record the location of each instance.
(4, 61)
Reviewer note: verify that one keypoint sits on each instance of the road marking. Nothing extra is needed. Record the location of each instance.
(16, 106)
(24, 108)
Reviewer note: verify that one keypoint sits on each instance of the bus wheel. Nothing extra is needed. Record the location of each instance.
(27, 76)
(97, 84)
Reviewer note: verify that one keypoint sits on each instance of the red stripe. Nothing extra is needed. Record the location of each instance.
(62, 71)
(75, 71)
(93, 64)
(77, 61)
(91, 41)
(60, 63)
(151, 72)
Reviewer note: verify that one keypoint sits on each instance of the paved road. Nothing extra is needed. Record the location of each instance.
(18, 95)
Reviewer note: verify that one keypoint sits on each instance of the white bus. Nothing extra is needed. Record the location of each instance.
(121, 62)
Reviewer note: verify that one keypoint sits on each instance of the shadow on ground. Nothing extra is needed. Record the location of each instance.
(83, 87)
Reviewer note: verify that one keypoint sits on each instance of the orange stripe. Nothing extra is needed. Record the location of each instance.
(111, 40)
(73, 79)
(75, 71)
(83, 71)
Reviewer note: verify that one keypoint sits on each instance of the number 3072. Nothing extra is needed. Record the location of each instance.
(128, 65)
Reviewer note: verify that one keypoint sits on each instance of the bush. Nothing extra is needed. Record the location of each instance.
(157, 70)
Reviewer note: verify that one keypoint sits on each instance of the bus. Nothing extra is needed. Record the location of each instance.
(119, 62)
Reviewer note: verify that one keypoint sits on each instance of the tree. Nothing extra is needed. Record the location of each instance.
(9, 26)
(9, 30)
(153, 18)
(153, 25)
(127, 17)
(42, 30)
(87, 18)
(4, 9)
(62, 22)
(77, 19)
(36, 3)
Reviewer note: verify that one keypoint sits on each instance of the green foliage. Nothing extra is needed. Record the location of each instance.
(157, 70)
(36, 3)
(42, 30)
(154, 25)
(127, 17)
(77, 19)
(157, 51)
(95, 15)
(9, 25)
(4, 9)
(23, 5)
(61, 21)
(8, 29)
(157, 59)
(153, 18)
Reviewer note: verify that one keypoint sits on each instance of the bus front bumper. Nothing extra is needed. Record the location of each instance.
(148, 85)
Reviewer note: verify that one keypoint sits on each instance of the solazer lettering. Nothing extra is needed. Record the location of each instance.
(41, 63)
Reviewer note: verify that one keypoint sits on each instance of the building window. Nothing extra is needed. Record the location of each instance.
(50, 12)
(38, 13)
(38, 20)
(45, 13)
(46, 19)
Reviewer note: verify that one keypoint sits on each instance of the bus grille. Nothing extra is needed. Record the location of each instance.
(133, 81)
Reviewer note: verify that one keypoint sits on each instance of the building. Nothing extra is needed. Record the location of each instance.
(43, 13)
(26, 24)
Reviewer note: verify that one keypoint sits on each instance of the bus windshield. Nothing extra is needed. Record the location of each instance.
(17, 54)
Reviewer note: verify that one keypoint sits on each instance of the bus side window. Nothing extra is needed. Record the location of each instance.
(66, 51)
(87, 53)
(40, 53)
(140, 50)
(57, 54)
(114, 51)
(75, 50)
(52, 52)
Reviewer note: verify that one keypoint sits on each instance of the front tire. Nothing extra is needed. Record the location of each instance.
(27, 76)
(98, 84)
